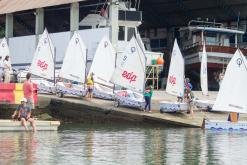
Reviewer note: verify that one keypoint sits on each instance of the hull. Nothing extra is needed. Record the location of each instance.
(123, 101)
(103, 92)
(46, 89)
(204, 104)
(10, 125)
(129, 100)
(103, 95)
(225, 125)
(173, 107)
(74, 90)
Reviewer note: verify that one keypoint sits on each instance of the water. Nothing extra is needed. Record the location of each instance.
(123, 144)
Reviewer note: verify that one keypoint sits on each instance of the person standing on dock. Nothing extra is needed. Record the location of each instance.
(24, 114)
(7, 69)
(1, 69)
(28, 91)
(188, 95)
(90, 86)
(148, 95)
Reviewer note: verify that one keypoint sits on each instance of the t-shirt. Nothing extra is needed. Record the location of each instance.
(28, 89)
(148, 93)
(6, 65)
(90, 80)
(23, 110)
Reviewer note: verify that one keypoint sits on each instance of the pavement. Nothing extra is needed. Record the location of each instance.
(179, 119)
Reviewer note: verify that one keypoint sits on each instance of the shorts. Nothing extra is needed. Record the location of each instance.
(30, 103)
(19, 118)
(90, 90)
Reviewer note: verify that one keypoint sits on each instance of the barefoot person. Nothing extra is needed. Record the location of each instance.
(23, 113)
(90, 86)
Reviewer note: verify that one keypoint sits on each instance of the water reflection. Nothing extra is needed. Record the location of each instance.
(105, 144)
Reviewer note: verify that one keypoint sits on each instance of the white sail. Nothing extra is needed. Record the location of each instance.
(130, 67)
(175, 80)
(103, 64)
(233, 89)
(74, 62)
(204, 72)
(43, 60)
(4, 49)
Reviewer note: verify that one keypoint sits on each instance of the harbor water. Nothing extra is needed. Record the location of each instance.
(123, 144)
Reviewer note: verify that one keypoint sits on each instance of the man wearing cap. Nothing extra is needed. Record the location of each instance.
(23, 113)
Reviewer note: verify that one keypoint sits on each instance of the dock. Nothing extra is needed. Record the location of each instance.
(97, 110)
(11, 125)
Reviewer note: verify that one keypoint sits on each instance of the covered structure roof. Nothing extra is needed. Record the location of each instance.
(10, 6)
(166, 13)
(156, 13)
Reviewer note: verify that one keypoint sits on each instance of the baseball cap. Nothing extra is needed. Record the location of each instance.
(23, 100)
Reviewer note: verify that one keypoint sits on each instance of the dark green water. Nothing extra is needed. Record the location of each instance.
(123, 144)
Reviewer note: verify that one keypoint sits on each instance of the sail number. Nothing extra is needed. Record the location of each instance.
(129, 76)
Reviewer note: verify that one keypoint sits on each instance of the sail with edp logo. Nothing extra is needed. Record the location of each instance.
(130, 68)
(175, 81)
(44, 58)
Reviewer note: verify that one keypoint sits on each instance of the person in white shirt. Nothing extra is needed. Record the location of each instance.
(1, 69)
(7, 69)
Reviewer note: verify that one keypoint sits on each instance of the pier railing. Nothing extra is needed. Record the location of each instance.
(197, 47)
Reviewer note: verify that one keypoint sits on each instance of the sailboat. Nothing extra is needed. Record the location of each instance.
(204, 104)
(130, 74)
(231, 96)
(73, 68)
(175, 82)
(43, 64)
(102, 67)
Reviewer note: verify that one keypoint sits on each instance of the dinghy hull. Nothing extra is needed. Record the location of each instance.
(10, 125)
(74, 90)
(166, 107)
(203, 104)
(45, 89)
(103, 95)
(126, 98)
(225, 125)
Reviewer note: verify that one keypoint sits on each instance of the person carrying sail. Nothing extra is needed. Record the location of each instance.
(90, 86)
